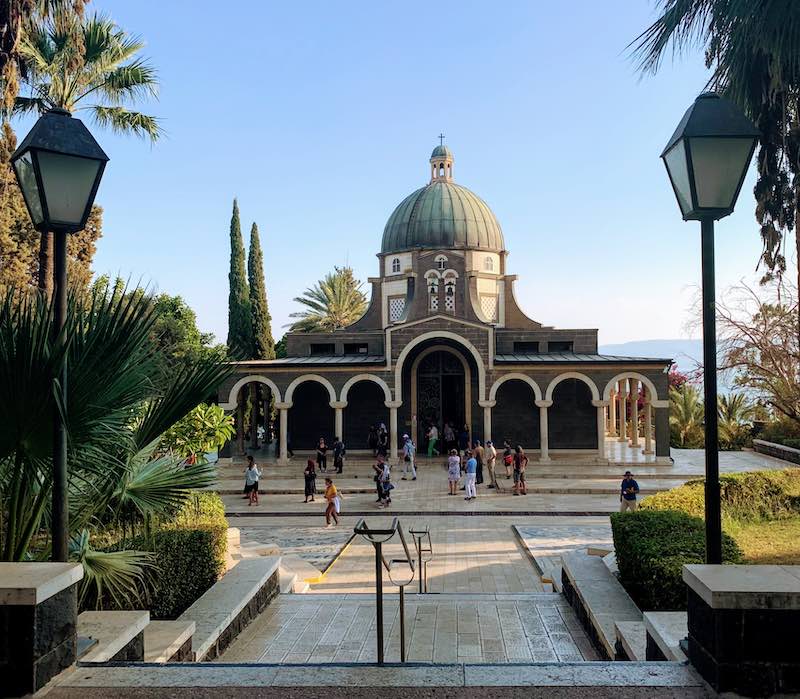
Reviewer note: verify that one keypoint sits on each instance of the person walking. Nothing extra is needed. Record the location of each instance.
(310, 477)
(372, 440)
(383, 441)
(331, 495)
(386, 485)
(377, 467)
(491, 459)
(338, 454)
(251, 476)
(628, 493)
(463, 438)
(322, 458)
(478, 453)
(433, 437)
(409, 456)
(508, 458)
(520, 464)
(469, 478)
(453, 471)
(449, 435)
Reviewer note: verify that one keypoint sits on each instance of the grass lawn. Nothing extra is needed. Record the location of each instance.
(775, 541)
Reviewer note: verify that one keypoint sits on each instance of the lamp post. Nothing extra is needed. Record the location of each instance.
(59, 166)
(707, 160)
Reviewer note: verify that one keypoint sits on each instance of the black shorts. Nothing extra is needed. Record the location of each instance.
(250, 488)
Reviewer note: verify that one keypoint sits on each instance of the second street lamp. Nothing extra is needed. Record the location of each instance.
(59, 166)
(707, 160)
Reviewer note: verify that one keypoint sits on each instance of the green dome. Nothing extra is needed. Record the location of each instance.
(442, 215)
(441, 152)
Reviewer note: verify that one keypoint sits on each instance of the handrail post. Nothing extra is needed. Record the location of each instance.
(379, 598)
(402, 623)
(419, 563)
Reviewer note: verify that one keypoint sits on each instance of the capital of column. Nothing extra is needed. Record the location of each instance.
(487, 403)
(543, 403)
(338, 404)
(393, 403)
(283, 406)
(601, 403)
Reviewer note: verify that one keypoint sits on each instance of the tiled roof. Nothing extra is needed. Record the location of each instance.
(574, 358)
(320, 359)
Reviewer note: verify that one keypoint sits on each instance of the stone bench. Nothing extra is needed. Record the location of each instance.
(231, 604)
(598, 598)
(168, 641)
(118, 635)
(665, 631)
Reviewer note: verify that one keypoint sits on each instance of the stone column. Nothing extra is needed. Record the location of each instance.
(661, 408)
(544, 454)
(623, 411)
(393, 406)
(283, 413)
(634, 397)
(338, 422)
(648, 426)
(612, 415)
(487, 406)
(601, 427)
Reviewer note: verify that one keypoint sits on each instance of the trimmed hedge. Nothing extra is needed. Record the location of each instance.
(189, 554)
(652, 546)
(744, 496)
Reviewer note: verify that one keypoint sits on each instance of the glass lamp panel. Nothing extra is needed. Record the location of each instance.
(26, 177)
(67, 182)
(718, 167)
(678, 169)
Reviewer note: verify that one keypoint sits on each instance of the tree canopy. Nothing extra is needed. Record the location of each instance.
(263, 343)
(334, 302)
(240, 331)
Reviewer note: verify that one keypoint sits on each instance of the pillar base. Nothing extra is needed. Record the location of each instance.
(648, 452)
(282, 462)
(545, 460)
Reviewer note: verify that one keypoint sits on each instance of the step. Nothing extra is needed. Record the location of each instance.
(118, 635)
(303, 569)
(666, 630)
(168, 641)
(631, 639)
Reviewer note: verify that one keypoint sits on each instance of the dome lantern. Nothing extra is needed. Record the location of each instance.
(441, 163)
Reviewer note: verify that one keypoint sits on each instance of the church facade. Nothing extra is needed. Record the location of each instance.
(444, 341)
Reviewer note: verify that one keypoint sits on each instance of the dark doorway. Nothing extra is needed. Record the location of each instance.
(572, 419)
(441, 392)
(515, 417)
(311, 416)
(365, 407)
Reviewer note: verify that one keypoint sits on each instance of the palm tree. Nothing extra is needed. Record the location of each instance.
(753, 51)
(686, 416)
(735, 420)
(89, 64)
(332, 303)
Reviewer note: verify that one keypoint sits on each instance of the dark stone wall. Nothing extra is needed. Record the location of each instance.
(311, 416)
(515, 417)
(582, 340)
(133, 651)
(365, 407)
(37, 642)
(572, 419)
(183, 654)
(777, 450)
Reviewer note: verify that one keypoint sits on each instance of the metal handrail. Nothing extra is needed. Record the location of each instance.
(418, 535)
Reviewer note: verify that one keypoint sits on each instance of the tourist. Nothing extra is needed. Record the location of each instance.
(409, 456)
(251, 476)
(383, 441)
(433, 437)
(478, 453)
(628, 492)
(378, 469)
(463, 438)
(386, 485)
(322, 458)
(310, 476)
(469, 478)
(372, 440)
(449, 436)
(508, 458)
(338, 454)
(453, 470)
(491, 459)
(520, 464)
(331, 495)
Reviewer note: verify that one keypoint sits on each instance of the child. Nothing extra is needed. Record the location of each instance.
(251, 476)
(453, 471)
(331, 495)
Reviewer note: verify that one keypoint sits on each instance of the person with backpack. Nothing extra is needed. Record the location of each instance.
(409, 455)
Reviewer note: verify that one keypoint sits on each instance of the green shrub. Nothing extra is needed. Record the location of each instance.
(189, 552)
(652, 546)
(745, 496)
(792, 442)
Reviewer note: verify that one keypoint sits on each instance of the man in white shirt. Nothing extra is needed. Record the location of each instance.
(409, 455)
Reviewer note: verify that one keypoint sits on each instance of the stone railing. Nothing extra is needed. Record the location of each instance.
(777, 450)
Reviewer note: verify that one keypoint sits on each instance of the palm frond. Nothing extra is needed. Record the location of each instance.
(123, 120)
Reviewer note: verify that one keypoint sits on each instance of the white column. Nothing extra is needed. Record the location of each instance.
(338, 422)
(648, 426)
(623, 411)
(612, 415)
(283, 450)
(601, 406)
(393, 406)
(487, 406)
(634, 397)
(544, 454)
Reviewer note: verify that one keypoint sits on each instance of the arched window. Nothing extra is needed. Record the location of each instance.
(395, 265)
(441, 261)
(488, 263)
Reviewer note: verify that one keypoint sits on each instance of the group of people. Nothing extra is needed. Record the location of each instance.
(339, 452)
(450, 439)
(471, 461)
(378, 439)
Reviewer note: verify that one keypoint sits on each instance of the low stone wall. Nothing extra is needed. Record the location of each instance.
(777, 450)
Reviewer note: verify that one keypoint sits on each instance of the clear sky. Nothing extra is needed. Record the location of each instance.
(320, 117)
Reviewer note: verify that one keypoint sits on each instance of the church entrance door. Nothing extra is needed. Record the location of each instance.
(441, 393)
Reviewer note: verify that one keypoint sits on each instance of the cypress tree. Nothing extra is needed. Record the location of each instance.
(239, 326)
(263, 344)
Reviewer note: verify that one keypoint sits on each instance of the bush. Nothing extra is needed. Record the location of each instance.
(652, 546)
(745, 496)
(189, 554)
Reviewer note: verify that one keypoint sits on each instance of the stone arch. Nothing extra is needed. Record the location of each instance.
(439, 335)
(537, 392)
(253, 378)
(365, 377)
(572, 375)
(651, 389)
(310, 377)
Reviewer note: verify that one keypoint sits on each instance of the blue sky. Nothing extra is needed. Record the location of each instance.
(320, 117)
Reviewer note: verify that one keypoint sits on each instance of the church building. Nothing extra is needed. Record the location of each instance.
(444, 340)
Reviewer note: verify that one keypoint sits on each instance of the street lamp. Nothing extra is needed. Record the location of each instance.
(59, 166)
(707, 160)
